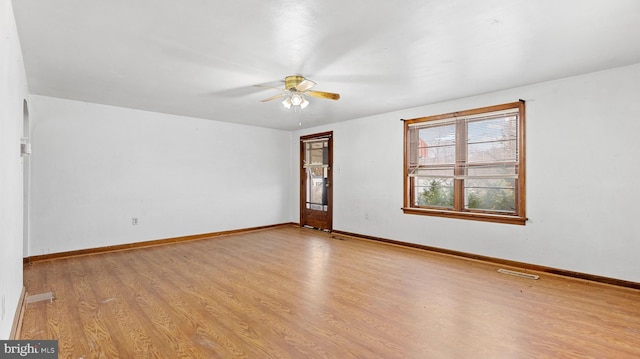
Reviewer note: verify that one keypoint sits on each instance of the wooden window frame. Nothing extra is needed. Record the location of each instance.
(458, 211)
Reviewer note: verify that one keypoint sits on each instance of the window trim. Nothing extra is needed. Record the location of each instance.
(518, 218)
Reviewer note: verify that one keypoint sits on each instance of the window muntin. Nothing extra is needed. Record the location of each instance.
(467, 164)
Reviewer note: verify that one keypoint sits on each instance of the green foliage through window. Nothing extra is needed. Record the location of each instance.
(436, 194)
(492, 199)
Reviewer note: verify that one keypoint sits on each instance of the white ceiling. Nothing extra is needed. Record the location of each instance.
(203, 58)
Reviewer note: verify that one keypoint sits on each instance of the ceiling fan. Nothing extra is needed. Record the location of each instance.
(295, 90)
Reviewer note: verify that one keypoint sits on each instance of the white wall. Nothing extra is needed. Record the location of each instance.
(582, 170)
(95, 167)
(13, 91)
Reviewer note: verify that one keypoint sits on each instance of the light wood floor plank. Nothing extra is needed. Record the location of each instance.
(288, 292)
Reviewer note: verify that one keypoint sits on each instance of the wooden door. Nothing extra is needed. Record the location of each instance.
(316, 157)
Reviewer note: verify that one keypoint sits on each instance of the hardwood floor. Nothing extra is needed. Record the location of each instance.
(289, 292)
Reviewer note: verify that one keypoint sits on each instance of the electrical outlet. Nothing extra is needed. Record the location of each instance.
(134, 221)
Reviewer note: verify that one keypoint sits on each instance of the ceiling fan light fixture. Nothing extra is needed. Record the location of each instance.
(295, 99)
(304, 103)
(287, 102)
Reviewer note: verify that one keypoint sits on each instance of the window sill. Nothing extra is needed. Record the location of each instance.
(484, 217)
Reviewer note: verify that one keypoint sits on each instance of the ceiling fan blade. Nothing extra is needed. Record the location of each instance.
(305, 85)
(321, 94)
(269, 87)
(274, 97)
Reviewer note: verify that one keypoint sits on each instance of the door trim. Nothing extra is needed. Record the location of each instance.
(302, 176)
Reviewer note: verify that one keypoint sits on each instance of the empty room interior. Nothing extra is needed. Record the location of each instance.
(321, 179)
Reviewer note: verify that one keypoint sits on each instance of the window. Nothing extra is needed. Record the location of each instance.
(467, 164)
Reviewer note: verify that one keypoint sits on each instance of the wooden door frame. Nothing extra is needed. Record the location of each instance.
(302, 183)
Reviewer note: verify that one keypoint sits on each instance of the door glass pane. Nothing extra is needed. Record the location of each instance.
(316, 165)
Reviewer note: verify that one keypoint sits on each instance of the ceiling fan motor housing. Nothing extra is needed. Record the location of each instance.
(291, 82)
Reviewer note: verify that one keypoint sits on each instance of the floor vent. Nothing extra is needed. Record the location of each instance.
(518, 274)
(40, 297)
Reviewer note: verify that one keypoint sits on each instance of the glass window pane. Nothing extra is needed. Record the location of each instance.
(495, 194)
(492, 140)
(434, 172)
(437, 192)
(504, 170)
(504, 128)
(495, 151)
(437, 145)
